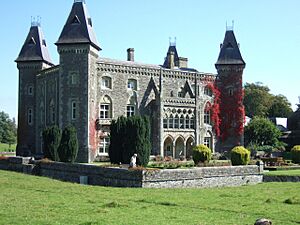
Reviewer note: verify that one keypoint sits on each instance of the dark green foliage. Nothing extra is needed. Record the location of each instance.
(240, 156)
(116, 147)
(201, 153)
(261, 131)
(68, 148)
(128, 136)
(51, 137)
(295, 154)
(259, 101)
(8, 129)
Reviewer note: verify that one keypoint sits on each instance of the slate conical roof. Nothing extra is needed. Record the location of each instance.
(230, 53)
(34, 47)
(172, 48)
(78, 28)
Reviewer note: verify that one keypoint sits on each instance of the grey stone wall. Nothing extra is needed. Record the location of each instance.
(151, 178)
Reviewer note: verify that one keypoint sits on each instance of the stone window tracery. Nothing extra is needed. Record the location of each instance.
(105, 108)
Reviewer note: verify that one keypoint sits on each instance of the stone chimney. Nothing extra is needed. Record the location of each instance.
(130, 54)
(183, 62)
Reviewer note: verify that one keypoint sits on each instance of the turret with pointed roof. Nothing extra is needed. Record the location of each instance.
(78, 28)
(230, 53)
(33, 58)
(34, 48)
(230, 66)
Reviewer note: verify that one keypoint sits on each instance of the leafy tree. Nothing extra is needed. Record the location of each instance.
(257, 99)
(51, 137)
(68, 148)
(280, 107)
(261, 131)
(8, 129)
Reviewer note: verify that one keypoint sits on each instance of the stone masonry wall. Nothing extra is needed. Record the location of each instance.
(122, 177)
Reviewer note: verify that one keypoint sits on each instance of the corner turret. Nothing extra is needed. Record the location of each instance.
(230, 66)
(33, 58)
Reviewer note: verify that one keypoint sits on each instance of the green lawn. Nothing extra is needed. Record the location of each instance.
(284, 173)
(37, 200)
(7, 148)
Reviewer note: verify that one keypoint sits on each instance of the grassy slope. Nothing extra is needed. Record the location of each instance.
(6, 148)
(284, 173)
(37, 200)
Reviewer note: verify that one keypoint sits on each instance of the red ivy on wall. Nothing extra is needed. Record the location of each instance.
(227, 110)
(215, 108)
(232, 112)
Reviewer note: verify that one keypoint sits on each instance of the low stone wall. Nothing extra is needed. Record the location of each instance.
(281, 178)
(152, 178)
(202, 177)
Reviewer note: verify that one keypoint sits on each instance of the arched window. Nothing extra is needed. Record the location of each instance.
(171, 121)
(207, 113)
(105, 108)
(106, 82)
(165, 121)
(30, 116)
(176, 122)
(181, 122)
(192, 123)
(208, 140)
(187, 122)
(30, 90)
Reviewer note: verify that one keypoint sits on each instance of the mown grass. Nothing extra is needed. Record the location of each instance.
(33, 200)
(284, 173)
(6, 148)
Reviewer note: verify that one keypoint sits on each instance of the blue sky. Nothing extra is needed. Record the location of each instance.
(268, 32)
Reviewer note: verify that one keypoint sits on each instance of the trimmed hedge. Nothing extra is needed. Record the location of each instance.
(51, 137)
(129, 136)
(240, 156)
(295, 154)
(68, 148)
(201, 153)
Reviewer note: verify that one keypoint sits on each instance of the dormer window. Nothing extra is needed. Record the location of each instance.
(90, 22)
(132, 84)
(75, 20)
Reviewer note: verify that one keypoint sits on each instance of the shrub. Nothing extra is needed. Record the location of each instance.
(295, 154)
(201, 153)
(240, 156)
(51, 137)
(68, 148)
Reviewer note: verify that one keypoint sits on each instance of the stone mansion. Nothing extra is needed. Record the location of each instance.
(89, 91)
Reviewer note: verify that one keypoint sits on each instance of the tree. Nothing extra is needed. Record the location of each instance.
(261, 131)
(68, 147)
(8, 129)
(51, 137)
(128, 136)
(257, 99)
(280, 107)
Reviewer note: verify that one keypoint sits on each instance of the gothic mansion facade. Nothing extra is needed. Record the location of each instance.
(89, 91)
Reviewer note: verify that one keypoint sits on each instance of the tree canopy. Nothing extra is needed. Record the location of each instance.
(261, 131)
(8, 129)
(259, 101)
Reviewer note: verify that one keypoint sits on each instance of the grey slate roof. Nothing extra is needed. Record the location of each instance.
(230, 53)
(173, 49)
(78, 28)
(34, 47)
